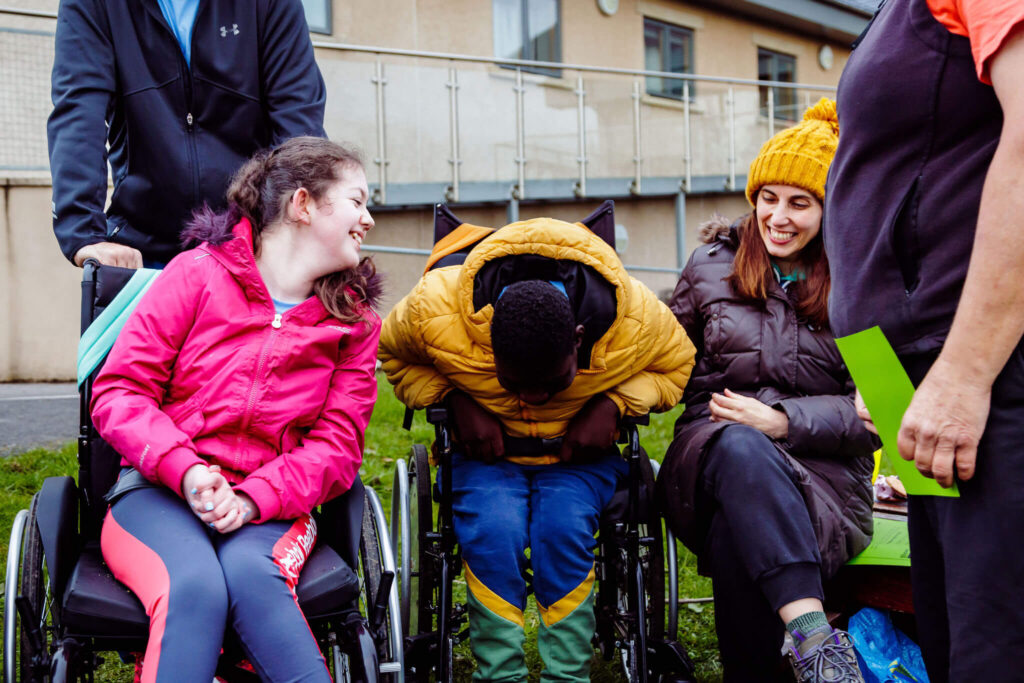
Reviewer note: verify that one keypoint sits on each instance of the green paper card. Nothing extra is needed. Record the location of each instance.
(890, 545)
(887, 392)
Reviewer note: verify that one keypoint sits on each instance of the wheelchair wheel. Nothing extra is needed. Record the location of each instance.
(649, 584)
(631, 596)
(420, 564)
(35, 588)
(375, 557)
(421, 513)
(25, 554)
(412, 517)
(12, 622)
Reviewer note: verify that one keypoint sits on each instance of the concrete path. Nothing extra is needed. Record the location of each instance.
(37, 415)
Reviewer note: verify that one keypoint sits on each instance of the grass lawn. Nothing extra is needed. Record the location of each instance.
(21, 475)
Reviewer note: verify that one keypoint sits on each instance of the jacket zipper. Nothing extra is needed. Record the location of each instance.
(193, 153)
(251, 403)
(190, 120)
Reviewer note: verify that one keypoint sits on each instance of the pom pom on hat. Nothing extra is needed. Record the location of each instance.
(825, 111)
(798, 156)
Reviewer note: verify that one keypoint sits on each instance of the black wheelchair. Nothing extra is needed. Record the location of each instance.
(633, 544)
(63, 607)
(635, 586)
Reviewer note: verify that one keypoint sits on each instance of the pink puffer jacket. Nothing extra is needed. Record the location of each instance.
(206, 371)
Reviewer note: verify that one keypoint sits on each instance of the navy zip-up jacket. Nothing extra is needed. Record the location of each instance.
(176, 134)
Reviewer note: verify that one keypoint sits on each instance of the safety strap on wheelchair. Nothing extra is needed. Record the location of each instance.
(100, 335)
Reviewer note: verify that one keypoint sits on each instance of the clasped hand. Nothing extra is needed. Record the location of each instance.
(749, 411)
(481, 436)
(213, 500)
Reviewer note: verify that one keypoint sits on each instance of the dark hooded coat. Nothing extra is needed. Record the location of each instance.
(762, 349)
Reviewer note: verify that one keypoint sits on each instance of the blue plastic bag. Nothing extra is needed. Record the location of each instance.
(885, 654)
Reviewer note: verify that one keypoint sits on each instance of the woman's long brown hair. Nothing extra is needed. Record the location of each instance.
(752, 273)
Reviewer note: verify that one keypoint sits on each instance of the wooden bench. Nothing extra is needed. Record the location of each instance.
(868, 585)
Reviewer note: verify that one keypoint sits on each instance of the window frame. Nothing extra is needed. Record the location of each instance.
(525, 44)
(665, 28)
(327, 29)
(790, 113)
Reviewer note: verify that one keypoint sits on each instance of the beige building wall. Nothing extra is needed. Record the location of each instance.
(726, 45)
(39, 290)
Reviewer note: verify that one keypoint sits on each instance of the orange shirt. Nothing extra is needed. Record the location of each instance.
(986, 23)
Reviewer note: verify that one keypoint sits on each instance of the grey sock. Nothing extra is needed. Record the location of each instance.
(805, 623)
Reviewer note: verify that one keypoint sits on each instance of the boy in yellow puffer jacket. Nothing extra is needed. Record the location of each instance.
(540, 333)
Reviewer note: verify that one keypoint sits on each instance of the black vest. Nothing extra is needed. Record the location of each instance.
(917, 131)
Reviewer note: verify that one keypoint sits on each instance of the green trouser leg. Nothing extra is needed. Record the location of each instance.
(496, 643)
(565, 646)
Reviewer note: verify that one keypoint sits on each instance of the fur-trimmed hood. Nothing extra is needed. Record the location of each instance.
(718, 228)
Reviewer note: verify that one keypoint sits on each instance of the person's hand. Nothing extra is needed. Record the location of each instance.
(241, 512)
(944, 424)
(110, 254)
(592, 430)
(749, 411)
(863, 414)
(478, 431)
(207, 492)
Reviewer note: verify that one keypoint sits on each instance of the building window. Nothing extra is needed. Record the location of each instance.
(667, 48)
(318, 15)
(776, 66)
(528, 29)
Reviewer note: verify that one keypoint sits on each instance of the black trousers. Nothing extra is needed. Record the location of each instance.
(967, 553)
(760, 551)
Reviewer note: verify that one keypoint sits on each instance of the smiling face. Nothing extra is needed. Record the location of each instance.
(340, 220)
(788, 218)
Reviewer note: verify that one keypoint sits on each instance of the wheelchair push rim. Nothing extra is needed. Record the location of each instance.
(376, 557)
(11, 587)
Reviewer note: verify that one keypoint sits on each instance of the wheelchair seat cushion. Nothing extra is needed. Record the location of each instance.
(327, 584)
(98, 605)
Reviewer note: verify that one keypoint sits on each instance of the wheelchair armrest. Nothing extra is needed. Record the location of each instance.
(57, 519)
(437, 413)
(629, 425)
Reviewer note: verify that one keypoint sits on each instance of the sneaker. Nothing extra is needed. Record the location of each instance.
(824, 655)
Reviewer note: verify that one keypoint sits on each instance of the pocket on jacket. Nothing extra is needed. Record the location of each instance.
(904, 239)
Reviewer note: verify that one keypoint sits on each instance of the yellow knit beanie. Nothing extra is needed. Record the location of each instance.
(798, 156)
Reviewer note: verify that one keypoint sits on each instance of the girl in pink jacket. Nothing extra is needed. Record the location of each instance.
(240, 390)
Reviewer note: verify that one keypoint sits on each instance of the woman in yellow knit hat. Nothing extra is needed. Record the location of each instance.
(767, 479)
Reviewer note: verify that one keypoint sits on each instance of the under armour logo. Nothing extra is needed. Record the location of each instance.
(224, 30)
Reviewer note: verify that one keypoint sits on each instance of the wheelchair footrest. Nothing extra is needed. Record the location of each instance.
(669, 659)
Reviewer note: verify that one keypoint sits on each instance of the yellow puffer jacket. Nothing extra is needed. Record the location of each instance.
(433, 341)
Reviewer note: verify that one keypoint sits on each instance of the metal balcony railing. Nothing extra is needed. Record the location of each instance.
(464, 128)
(459, 128)
(513, 134)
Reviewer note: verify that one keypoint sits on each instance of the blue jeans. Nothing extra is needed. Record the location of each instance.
(501, 509)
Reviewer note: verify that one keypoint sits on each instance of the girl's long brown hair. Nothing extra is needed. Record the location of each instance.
(752, 273)
(261, 188)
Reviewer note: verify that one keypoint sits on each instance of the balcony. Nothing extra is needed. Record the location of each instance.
(447, 127)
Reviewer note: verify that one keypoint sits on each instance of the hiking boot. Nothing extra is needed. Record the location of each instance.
(824, 655)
